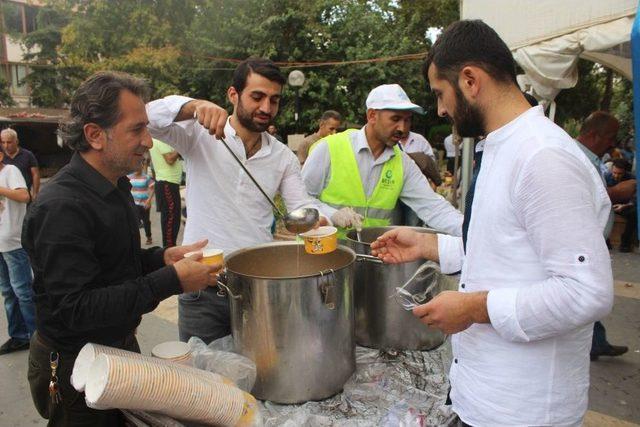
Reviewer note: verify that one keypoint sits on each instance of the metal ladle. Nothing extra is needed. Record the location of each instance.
(297, 221)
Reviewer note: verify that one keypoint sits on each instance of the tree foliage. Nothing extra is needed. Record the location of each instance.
(589, 95)
(51, 81)
(184, 46)
(177, 46)
(5, 96)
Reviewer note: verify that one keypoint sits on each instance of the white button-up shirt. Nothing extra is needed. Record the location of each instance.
(417, 143)
(224, 205)
(416, 193)
(535, 243)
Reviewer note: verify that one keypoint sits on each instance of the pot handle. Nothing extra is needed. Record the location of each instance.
(368, 258)
(223, 290)
(327, 287)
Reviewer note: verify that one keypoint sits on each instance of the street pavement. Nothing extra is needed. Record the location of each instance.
(614, 398)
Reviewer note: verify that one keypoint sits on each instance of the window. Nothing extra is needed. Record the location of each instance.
(12, 14)
(18, 72)
(31, 14)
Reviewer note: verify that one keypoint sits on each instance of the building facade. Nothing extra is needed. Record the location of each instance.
(18, 19)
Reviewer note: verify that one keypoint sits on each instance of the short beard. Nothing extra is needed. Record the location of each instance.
(246, 120)
(118, 164)
(468, 119)
(390, 142)
(385, 138)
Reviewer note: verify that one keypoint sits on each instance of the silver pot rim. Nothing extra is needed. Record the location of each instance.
(287, 243)
(387, 228)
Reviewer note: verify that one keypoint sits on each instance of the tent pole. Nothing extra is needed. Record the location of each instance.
(552, 111)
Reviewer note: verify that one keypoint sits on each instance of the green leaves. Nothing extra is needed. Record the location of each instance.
(5, 96)
(181, 47)
(188, 47)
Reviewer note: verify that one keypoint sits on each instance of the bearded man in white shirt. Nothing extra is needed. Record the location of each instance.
(536, 273)
(224, 205)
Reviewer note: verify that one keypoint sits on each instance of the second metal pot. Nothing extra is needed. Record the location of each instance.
(380, 321)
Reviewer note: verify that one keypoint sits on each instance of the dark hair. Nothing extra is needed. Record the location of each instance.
(471, 42)
(331, 114)
(265, 67)
(622, 164)
(97, 101)
(598, 121)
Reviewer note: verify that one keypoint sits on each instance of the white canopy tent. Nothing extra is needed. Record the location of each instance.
(548, 36)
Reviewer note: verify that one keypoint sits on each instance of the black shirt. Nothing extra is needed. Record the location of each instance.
(82, 237)
(24, 160)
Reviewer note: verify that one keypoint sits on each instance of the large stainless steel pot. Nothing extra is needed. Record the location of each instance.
(292, 314)
(380, 321)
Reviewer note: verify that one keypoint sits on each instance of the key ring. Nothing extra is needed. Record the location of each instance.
(53, 359)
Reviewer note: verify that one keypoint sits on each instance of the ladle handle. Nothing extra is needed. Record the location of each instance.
(278, 211)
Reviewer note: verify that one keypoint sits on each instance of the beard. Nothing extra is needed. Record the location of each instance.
(467, 118)
(386, 137)
(120, 163)
(389, 142)
(246, 120)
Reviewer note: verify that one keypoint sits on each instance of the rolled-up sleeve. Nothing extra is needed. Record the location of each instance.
(564, 210)
(451, 253)
(162, 113)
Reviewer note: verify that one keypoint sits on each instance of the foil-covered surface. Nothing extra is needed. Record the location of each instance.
(389, 388)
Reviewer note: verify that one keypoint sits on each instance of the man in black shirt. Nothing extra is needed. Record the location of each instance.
(21, 158)
(92, 281)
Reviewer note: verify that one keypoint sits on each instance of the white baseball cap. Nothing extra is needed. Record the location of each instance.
(391, 97)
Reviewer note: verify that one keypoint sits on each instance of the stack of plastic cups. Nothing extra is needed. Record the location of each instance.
(173, 351)
(190, 394)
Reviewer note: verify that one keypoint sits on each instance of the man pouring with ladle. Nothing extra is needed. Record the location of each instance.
(229, 162)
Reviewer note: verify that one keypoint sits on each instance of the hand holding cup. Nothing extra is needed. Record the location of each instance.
(195, 275)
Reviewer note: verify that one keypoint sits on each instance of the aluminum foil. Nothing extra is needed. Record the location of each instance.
(389, 388)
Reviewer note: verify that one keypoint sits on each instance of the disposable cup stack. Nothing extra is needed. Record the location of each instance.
(90, 351)
(85, 358)
(117, 381)
(173, 351)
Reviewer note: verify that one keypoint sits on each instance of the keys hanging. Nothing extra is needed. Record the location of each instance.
(54, 389)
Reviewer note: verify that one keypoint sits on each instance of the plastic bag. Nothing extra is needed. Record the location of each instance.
(421, 287)
(219, 357)
(389, 388)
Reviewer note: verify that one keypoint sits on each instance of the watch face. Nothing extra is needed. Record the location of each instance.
(296, 78)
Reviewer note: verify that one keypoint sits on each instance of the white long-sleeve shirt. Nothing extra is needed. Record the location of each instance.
(416, 193)
(224, 205)
(535, 243)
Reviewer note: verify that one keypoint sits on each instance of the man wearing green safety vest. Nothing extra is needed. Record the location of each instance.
(361, 174)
